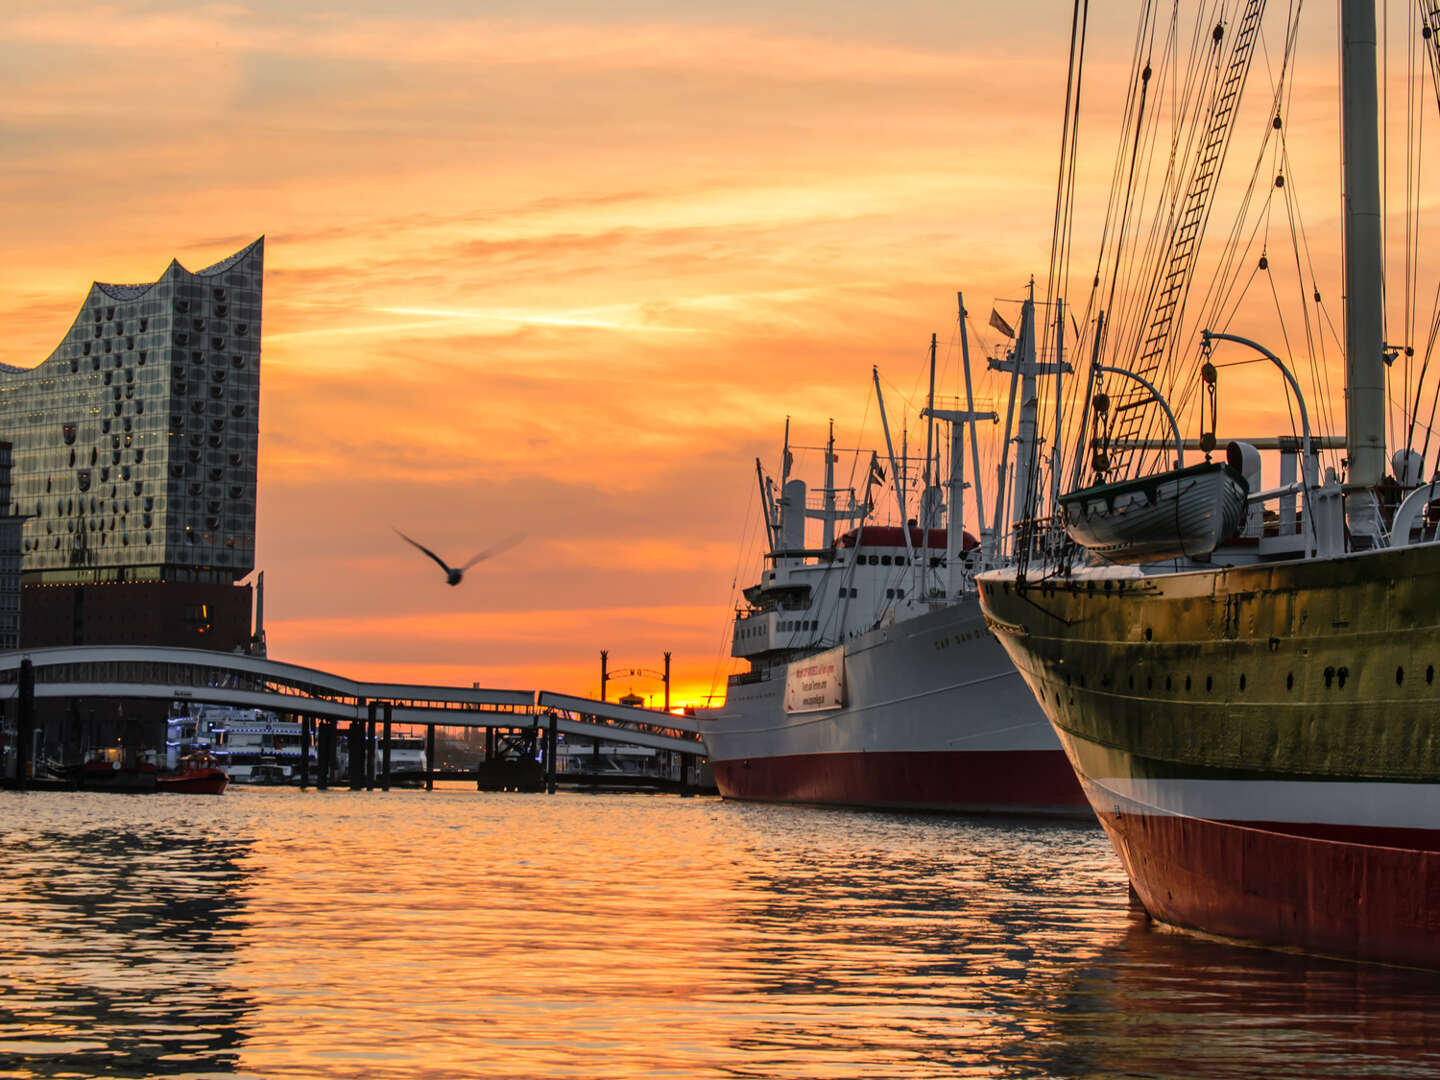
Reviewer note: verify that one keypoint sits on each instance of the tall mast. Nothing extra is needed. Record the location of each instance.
(986, 542)
(930, 500)
(1364, 345)
(1025, 452)
(1055, 457)
(929, 426)
(829, 523)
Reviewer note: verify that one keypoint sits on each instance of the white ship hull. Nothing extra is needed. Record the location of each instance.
(934, 717)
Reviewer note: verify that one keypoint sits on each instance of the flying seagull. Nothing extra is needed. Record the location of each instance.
(454, 574)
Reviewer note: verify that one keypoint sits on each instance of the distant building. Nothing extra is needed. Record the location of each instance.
(135, 461)
(9, 560)
(134, 464)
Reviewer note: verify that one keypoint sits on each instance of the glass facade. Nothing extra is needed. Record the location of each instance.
(134, 444)
(9, 560)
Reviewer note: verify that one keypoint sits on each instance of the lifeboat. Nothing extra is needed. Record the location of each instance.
(1170, 515)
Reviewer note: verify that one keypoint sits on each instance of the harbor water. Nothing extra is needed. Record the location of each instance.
(279, 933)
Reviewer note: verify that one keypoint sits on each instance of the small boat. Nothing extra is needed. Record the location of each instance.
(1170, 515)
(199, 774)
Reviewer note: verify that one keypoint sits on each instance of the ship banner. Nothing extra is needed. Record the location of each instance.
(816, 683)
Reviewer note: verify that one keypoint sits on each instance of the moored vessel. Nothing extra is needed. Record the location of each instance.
(1257, 723)
(872, 679)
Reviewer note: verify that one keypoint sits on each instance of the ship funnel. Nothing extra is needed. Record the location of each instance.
(1245, 459)
(1408, 466)
(792, 516)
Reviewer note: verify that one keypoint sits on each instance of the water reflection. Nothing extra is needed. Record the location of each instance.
(116, 938)
(454, 934)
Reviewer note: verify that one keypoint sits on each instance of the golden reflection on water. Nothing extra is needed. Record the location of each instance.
(454, 934)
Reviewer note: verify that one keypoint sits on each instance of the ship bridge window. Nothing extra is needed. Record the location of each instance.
(884, 560)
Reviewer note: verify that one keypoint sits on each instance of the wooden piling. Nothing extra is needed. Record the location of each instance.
(429, 757)
(324, 754)
(552, 742)
(25, 725)
(595, 765)
(374, 708)
(687, 772)
(357, 754)
(305, 738)
(385, 752)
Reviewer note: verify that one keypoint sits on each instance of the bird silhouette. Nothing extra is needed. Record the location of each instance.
(453, 574)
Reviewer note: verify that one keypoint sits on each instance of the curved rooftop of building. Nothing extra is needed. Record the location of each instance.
(134, 292)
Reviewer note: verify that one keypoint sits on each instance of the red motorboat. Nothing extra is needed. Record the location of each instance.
(199, 774)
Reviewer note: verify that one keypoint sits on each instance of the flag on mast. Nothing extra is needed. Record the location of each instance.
(1000, 324)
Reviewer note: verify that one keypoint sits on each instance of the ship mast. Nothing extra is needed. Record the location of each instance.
(1364, 345)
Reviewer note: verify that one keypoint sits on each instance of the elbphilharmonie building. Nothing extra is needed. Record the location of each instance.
(135, 442)
(134, 461)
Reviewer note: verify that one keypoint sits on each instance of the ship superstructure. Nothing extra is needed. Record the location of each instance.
(872, 679)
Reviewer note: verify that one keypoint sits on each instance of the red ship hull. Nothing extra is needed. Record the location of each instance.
(998, 781)
(1359, 900)
(201, 782)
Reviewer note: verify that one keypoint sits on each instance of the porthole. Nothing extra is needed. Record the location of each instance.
(1399, 676)
(1242, 683)
(1329, 677)
(1149, 633)
(1341, 676)
(1167, 683)
(1187, 682)
(1429, 675)
(1209, 683)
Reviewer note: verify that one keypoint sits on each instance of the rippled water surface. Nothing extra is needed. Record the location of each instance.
(458, 934)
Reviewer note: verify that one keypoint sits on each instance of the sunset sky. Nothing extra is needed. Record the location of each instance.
(560, 269)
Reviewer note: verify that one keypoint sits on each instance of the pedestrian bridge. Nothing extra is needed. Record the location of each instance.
(216, 678)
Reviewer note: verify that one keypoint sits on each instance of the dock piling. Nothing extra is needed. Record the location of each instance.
(552, 742)
(385, 752)
(370, 747)
(356, 751)
(305, 739)
(25, 725)
(429, 757)
(324, 753)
